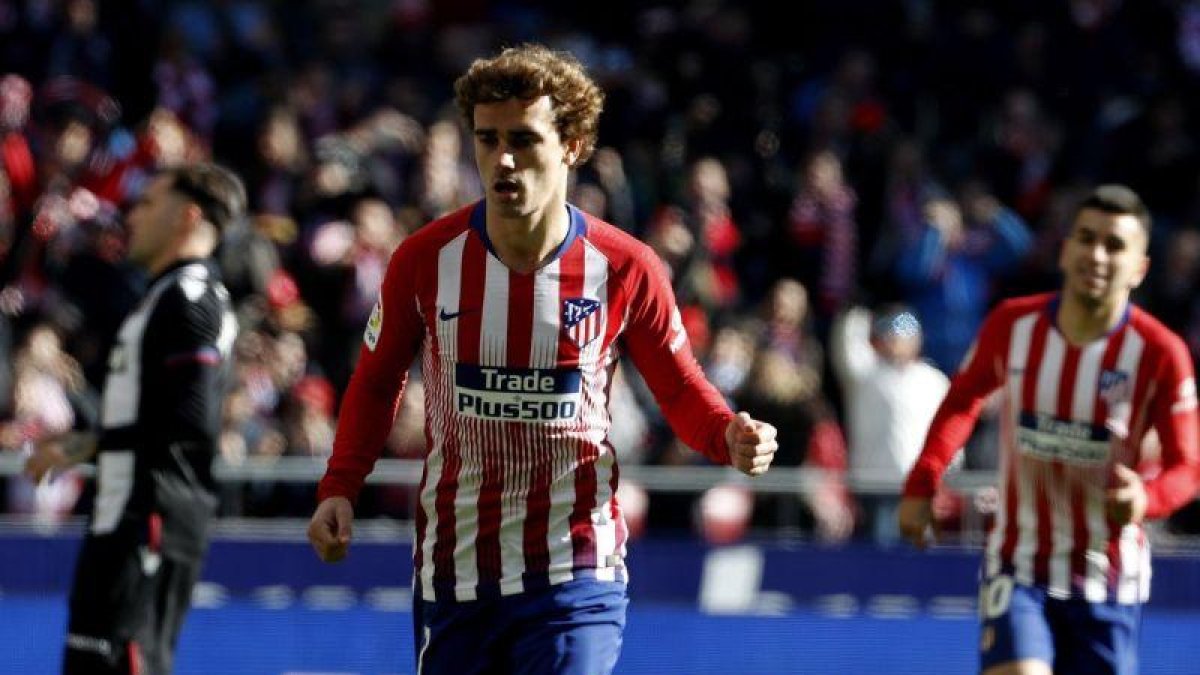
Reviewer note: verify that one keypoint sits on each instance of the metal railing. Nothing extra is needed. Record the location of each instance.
(779, 480)
(661, 479)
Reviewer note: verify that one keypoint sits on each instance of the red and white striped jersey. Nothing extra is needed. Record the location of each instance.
(519, 484)
(1069, 413)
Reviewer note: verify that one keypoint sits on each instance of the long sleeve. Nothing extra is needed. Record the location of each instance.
(1175, 419)
(393, 336)
(659, 346)
(188, 343)
(170, 364)
(956, 417)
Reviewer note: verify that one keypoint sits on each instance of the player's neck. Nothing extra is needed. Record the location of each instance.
(198, 245)
(525, 244)
(1082, 321)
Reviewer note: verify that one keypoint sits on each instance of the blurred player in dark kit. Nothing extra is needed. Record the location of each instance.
(159, 422)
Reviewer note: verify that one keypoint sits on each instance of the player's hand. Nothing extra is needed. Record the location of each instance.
(45, 457)
(329, 529)
(751, 444)
(1126, 500)
(916, 518)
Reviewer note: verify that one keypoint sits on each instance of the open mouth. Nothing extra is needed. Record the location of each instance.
(506, 187)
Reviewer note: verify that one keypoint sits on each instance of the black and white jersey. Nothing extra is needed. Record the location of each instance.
(161, 413)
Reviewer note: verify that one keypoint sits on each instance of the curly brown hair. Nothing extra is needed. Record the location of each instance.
(527, 72)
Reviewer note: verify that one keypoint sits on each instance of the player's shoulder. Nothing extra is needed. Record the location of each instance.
(622, 249)
(1011, 309)
(1155, 332)
(193, 282)
(191, 295)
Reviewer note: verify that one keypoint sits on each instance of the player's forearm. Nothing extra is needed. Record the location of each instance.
(699, 416)
(1170, 490)
(949, 431)
(701, 424)
(1178, 429)
(365, 420)
(692, 406)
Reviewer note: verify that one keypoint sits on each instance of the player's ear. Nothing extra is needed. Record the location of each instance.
(194, 222)
(193, 215)
(1143, 269)
(573, 150)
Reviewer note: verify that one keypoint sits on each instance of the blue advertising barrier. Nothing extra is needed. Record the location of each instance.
(662, 570)
(269, 607)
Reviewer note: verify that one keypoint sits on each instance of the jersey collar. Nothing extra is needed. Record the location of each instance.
(576, 228)
(183, 262)
(1056, 300)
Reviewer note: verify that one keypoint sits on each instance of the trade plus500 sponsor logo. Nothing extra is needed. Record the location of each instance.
(517, 394)
(1046, 437)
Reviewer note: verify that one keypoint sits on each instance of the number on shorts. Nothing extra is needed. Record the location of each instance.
(995, 596)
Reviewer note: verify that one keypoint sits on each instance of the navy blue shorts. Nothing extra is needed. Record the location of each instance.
(574, 628)
(1072, 635)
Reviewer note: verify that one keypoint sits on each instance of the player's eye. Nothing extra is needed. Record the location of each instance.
(521, 142)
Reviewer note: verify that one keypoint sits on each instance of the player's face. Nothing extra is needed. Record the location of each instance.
(522, 160)
(1104, 258)
(154, 222)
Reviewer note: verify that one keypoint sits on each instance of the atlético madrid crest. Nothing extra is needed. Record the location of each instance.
(1115, 387)
(582, 319)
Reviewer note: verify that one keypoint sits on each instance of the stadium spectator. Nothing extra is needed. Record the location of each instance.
(447, 180)
(728, 361)
(1038, 98)
(910, 184)
(516, 305)
(606, 173)
(782, 389)
(784, 324)
(949, 271)
(890, 398)
(711, 223)
(48, 390)
(824, 236)
(281, 161)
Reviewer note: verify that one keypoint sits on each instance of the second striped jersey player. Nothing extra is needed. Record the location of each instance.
(1069, 416)
(1083, 376)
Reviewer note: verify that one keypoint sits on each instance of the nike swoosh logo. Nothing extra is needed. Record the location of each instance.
(449, 316)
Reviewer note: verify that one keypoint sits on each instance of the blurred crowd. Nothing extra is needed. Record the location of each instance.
(839, 198)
